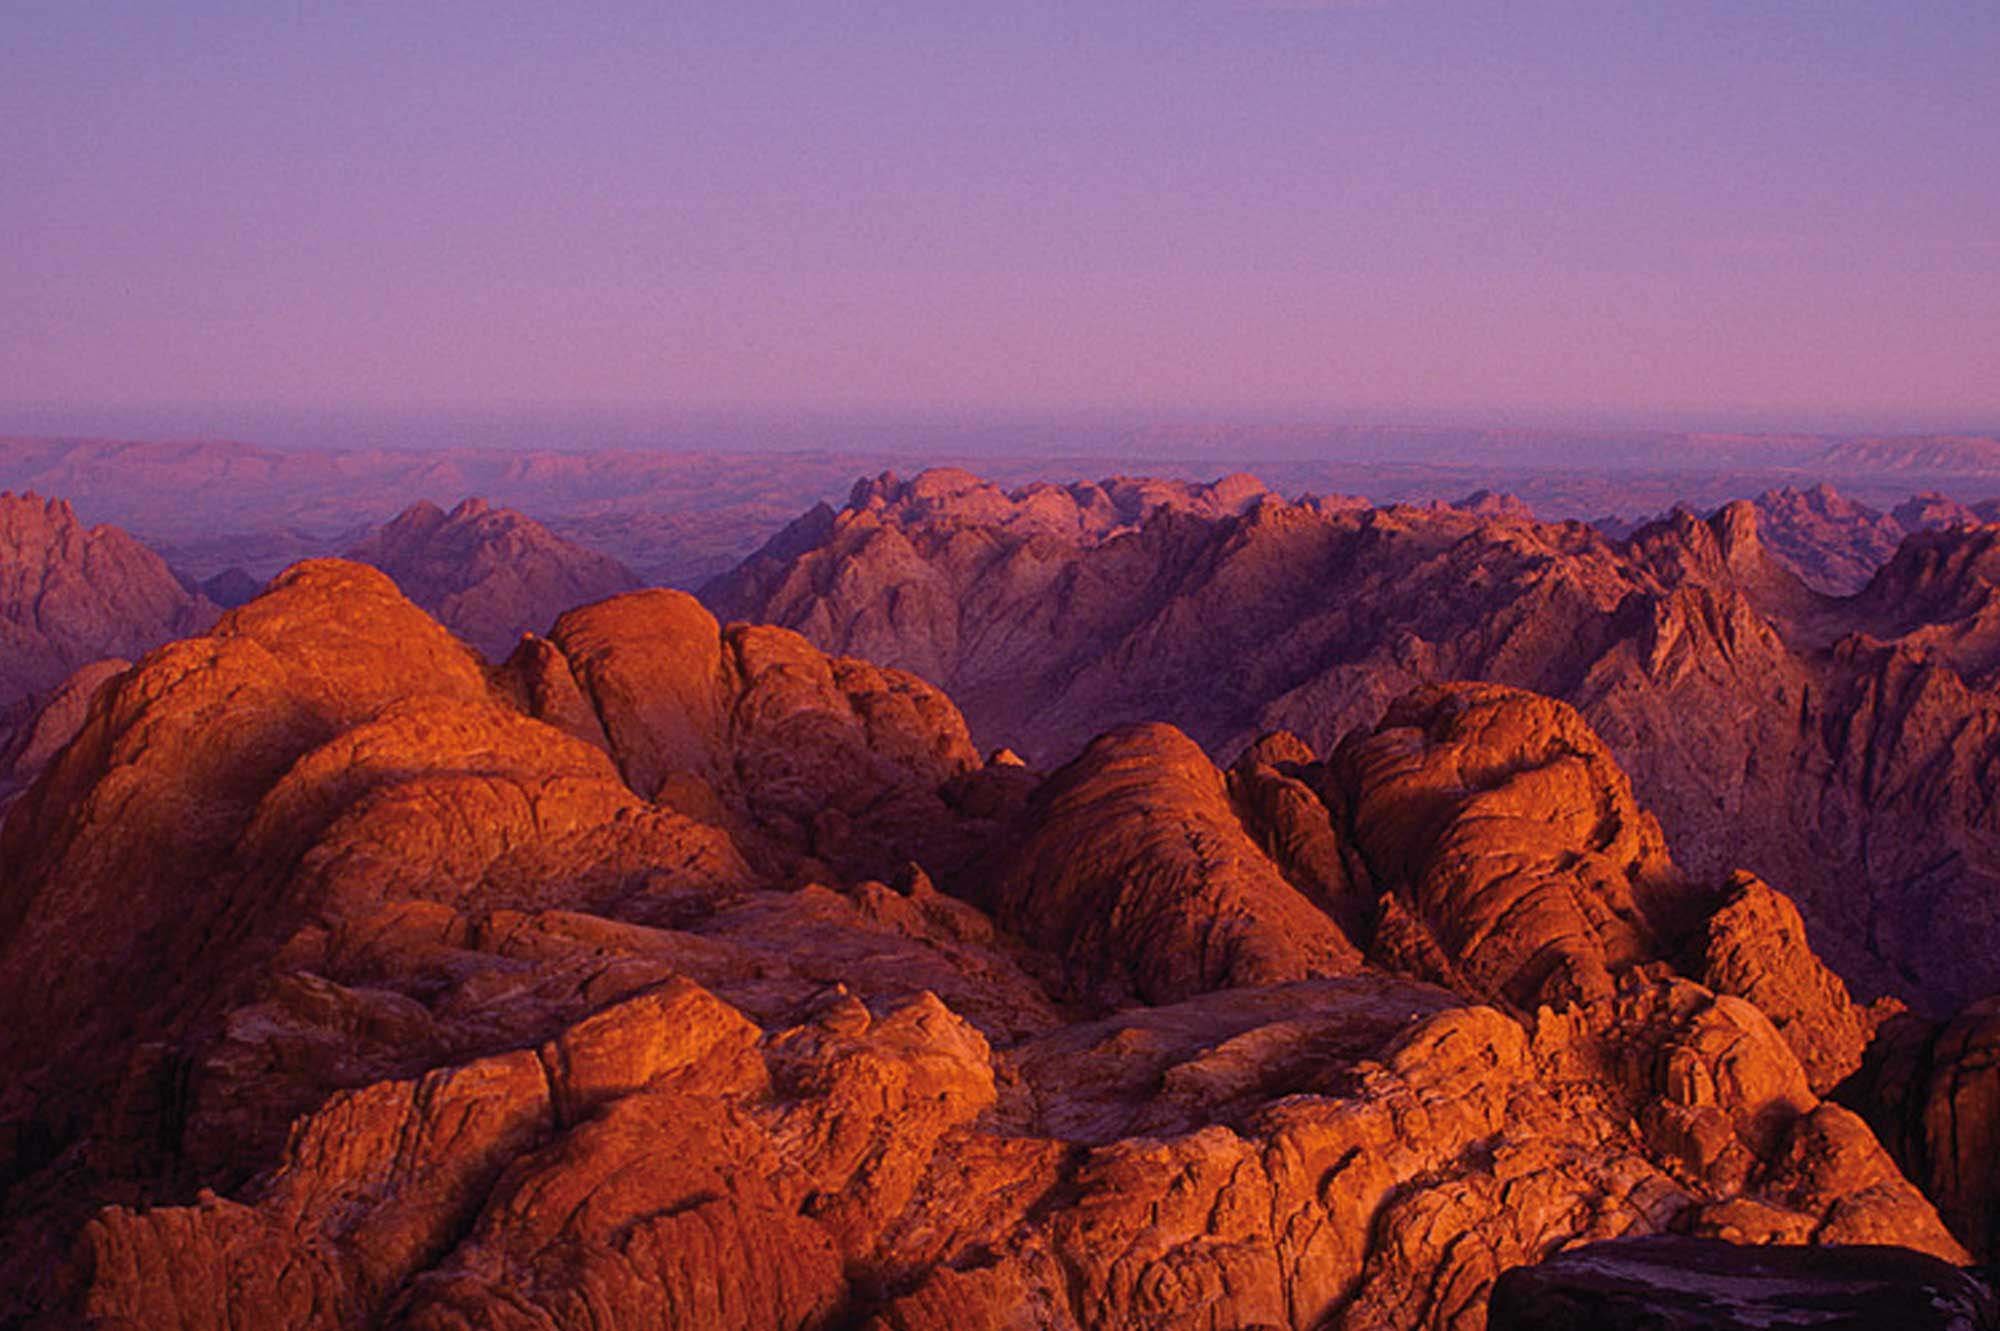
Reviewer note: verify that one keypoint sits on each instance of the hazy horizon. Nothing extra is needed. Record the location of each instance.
(972, 431)
(1626, 215)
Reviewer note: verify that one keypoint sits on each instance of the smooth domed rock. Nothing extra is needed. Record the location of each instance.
(1137, 871)
(1507, 830)
(651, 665)
(809, 756)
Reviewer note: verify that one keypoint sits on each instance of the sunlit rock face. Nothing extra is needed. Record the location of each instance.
(1843, 747)
(679, 974)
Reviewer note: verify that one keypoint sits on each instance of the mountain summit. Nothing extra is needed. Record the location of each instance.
(72, 594)
(489, 574)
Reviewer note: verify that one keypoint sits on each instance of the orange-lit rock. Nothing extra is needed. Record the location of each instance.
(802, 756)
(1756, 947)
(1136, 870)
(354, 982)
(1505, 829)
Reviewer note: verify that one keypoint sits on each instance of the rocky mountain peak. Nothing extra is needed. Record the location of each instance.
(686, 972)
(71, 594)
(491, 574)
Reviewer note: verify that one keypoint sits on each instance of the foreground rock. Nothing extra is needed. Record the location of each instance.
(350, 981)
(1676, 1284)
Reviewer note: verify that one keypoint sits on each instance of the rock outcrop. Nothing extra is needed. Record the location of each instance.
(353, 981)
(1840, 746)
(71, 594)
(1511, 846)
(489, 574)
(1931, 1091)
(829, 761)
(1831, 542)
(1139, 873)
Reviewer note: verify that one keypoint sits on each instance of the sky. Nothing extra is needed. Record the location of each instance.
(1778, 212)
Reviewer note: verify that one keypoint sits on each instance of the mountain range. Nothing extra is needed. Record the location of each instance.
(675, 973)
(1353, 905)
(682, 515)
(1841, 745)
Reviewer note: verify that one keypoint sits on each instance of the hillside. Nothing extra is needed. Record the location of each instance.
(1845, 747)
(71, 594)
(489, 574)
(675, 974)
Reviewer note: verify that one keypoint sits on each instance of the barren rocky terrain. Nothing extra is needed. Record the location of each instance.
(1843, 746)
(489, 574)
(1319, 911)
(669, 973)
(694, 506)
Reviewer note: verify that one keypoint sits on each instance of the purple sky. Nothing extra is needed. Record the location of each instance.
(1434, 205)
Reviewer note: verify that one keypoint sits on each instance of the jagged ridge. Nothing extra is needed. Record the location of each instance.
(1842, 746)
